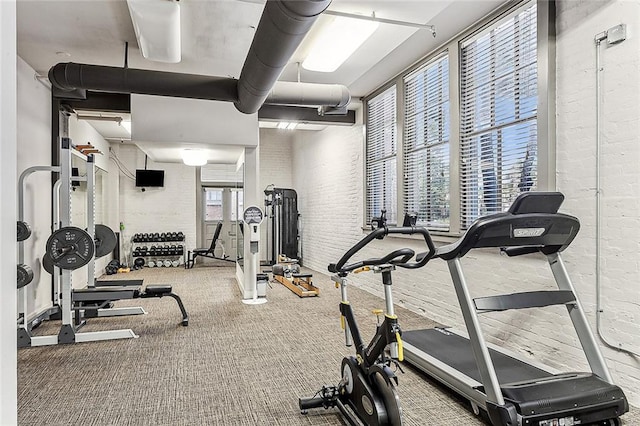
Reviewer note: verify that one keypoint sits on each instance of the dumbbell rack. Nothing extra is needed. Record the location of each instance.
(168, 254)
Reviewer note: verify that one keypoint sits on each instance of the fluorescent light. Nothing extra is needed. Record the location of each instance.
(292, 126)
(337, 41)
(157, 27)
(283, 125)
(194, 157)
(126, 125)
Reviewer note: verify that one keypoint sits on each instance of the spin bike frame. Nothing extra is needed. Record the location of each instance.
(388, 332)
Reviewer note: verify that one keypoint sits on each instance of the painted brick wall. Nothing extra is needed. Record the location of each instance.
(34, 140)
(168, 209)
(577, 25)
(276, 158)
(328, 174)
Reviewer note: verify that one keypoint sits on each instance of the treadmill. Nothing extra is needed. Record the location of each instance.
(511, 390)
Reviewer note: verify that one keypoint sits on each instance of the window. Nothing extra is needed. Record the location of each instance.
(498, 116)
(426, 144)
(381, 170)
(213, 204)
(237, 203)
(464, 136)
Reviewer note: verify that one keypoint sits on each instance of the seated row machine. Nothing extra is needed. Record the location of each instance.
(287, 273)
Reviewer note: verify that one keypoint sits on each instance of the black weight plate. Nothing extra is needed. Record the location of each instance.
(70, 247)
(25, 275)
(24, 230)
(105, 239)
(47, 263)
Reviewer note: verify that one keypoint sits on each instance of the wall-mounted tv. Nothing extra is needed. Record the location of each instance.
(149, 178)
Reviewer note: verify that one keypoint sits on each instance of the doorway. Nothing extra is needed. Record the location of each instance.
(221, 205)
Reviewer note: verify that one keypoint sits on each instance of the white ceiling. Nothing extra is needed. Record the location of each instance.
(216, 35)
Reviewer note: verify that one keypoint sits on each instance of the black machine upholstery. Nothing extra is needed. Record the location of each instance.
(531, 224)
(207, 252)
(93, 298)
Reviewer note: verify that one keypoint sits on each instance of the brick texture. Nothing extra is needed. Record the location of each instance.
(328, 174)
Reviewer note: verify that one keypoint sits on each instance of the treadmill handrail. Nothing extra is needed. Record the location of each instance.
(546, 232)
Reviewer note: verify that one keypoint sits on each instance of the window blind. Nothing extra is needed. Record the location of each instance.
(498, 116)
(381, 170)
(426, 144)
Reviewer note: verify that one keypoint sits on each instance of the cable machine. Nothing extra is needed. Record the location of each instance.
(283, 236)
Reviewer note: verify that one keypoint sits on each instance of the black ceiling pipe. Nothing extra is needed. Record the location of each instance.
(71, 76)
(283, 25)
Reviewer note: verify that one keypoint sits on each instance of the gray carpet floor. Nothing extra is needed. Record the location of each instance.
(234, 364)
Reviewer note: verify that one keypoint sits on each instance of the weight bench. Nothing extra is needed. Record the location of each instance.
(208, 252)
(91, 300)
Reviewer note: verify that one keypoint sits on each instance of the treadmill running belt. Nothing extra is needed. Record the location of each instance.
(456, 352)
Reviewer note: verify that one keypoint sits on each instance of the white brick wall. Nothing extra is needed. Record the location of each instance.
(168, 209)
(34, 141)
(276, 159)
(328, 174)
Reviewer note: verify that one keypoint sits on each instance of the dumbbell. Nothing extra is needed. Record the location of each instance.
(175, 263)
(180, 236)
(163, 237)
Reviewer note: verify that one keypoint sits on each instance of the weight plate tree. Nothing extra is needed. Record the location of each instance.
(70, 247)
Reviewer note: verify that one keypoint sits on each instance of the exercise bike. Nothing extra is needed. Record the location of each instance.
(367, 394)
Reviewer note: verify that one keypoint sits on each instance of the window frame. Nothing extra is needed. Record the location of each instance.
(546, 134)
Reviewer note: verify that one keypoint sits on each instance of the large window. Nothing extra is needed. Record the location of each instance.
(426, 144)
(381, 173)
(498, 116)
(461, 140)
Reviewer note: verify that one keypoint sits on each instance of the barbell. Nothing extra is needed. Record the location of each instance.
(71, 247)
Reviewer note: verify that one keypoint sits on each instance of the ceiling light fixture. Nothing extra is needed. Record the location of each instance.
(337, 41)
(157, 27)
(194, 157)
(283, 125)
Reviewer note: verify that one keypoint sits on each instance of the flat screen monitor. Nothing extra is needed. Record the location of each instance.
(149, 178)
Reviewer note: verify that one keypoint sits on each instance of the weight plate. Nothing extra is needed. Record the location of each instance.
(25, 275)
(105, 239)
(47, 263)
(24, 230)
(70, 247)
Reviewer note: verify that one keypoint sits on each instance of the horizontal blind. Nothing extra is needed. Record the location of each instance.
(498, 116)
(426, 144)
(381, 171)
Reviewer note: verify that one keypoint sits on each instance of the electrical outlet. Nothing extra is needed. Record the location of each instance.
(617, 34)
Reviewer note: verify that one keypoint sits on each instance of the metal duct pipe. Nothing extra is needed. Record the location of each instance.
(283, 25)
(71, 76)
(309, 94)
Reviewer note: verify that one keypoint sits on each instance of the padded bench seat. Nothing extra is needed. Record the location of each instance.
(158, 289)
(302, 275)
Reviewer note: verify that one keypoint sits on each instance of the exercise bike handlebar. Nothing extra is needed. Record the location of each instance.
(398, 257)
